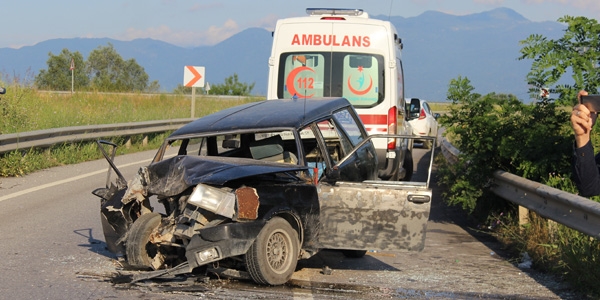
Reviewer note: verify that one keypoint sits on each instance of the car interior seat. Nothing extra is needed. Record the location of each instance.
(271, 149)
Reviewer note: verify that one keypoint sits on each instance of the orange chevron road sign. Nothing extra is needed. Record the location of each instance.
(193, 76)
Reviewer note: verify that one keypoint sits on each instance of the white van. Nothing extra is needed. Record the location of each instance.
(344, 53)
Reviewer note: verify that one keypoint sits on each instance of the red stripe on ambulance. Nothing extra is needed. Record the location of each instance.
(374, 119)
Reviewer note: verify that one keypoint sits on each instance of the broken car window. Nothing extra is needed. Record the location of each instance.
(279, 146)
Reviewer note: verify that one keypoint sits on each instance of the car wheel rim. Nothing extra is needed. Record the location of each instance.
(278, 251)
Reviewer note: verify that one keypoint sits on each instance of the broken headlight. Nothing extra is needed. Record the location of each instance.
(213, 199)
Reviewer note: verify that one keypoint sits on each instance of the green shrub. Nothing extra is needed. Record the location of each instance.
(13, 109)
(530, 140)
(499, 132)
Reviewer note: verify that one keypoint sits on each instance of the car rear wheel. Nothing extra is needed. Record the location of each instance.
(272, 258)
(141, 253)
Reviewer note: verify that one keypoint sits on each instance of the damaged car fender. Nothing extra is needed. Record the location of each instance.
(215, 243)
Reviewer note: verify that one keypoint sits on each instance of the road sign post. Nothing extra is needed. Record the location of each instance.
(193, 77)
(72, 68)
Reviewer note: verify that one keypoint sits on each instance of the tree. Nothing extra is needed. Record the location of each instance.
(154, 87)
(499, 132)
(578, 52)
(232, 86)
(58, 75)
(132, 77)
(104, 70)
(109, 72)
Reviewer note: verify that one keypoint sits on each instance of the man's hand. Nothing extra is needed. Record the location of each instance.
(582, 122)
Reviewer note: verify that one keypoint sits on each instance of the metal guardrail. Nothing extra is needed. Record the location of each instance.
(568, 209)
(571, 210)
(203, 96)
(49, 137)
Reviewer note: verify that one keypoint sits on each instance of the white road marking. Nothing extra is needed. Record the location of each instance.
(302, 296)
(48, 185)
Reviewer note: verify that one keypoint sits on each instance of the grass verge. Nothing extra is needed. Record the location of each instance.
(22, 162)
(23, 109)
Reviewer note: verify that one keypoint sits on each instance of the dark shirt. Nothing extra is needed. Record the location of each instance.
(586, 173)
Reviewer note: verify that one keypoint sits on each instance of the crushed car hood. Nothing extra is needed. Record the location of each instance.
(172, 176)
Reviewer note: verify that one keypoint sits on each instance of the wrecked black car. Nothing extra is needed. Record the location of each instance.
(256, 187)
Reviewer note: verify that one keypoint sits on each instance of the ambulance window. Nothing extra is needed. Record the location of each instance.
(363, 78)
(303, 75)
(357, 61)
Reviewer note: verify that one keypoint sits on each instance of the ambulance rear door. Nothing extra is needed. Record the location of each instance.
(302, 71)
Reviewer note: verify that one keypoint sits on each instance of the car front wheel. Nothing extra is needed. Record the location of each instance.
(141, 253)
(272, 258)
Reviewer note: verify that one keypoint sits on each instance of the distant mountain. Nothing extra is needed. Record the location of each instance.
(483, 47)
(246, 53)
(437, 48)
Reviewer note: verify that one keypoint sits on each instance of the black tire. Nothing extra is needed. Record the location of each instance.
(140, 252)
(354, 253)
(272, 258)
(408, 166)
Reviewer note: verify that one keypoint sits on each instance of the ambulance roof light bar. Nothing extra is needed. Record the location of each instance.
(335, 11)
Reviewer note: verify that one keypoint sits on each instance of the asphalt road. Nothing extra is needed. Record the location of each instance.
(52, 247)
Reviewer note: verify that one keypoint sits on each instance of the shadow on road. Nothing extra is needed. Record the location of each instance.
(93, 244)
(334, 259)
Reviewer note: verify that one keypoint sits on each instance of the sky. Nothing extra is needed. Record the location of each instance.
(193, 23)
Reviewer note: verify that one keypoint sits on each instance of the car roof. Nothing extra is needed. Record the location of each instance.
(282, 113)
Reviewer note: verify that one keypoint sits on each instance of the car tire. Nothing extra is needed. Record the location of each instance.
(272, 258)
(354, 253)
(408, 166)
(140, 252)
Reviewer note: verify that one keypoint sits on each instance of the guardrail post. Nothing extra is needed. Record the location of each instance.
(552, 229)
(128, 143)
(523, 216)
(145, 141)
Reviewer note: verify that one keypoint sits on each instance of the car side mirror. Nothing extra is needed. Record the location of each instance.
(415, 108)
(332, 175)
(436, 115)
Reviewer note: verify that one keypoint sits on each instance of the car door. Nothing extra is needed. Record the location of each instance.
(360, 212)
(386, 216)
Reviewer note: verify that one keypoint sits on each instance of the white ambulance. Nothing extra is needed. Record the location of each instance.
(344, 53)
